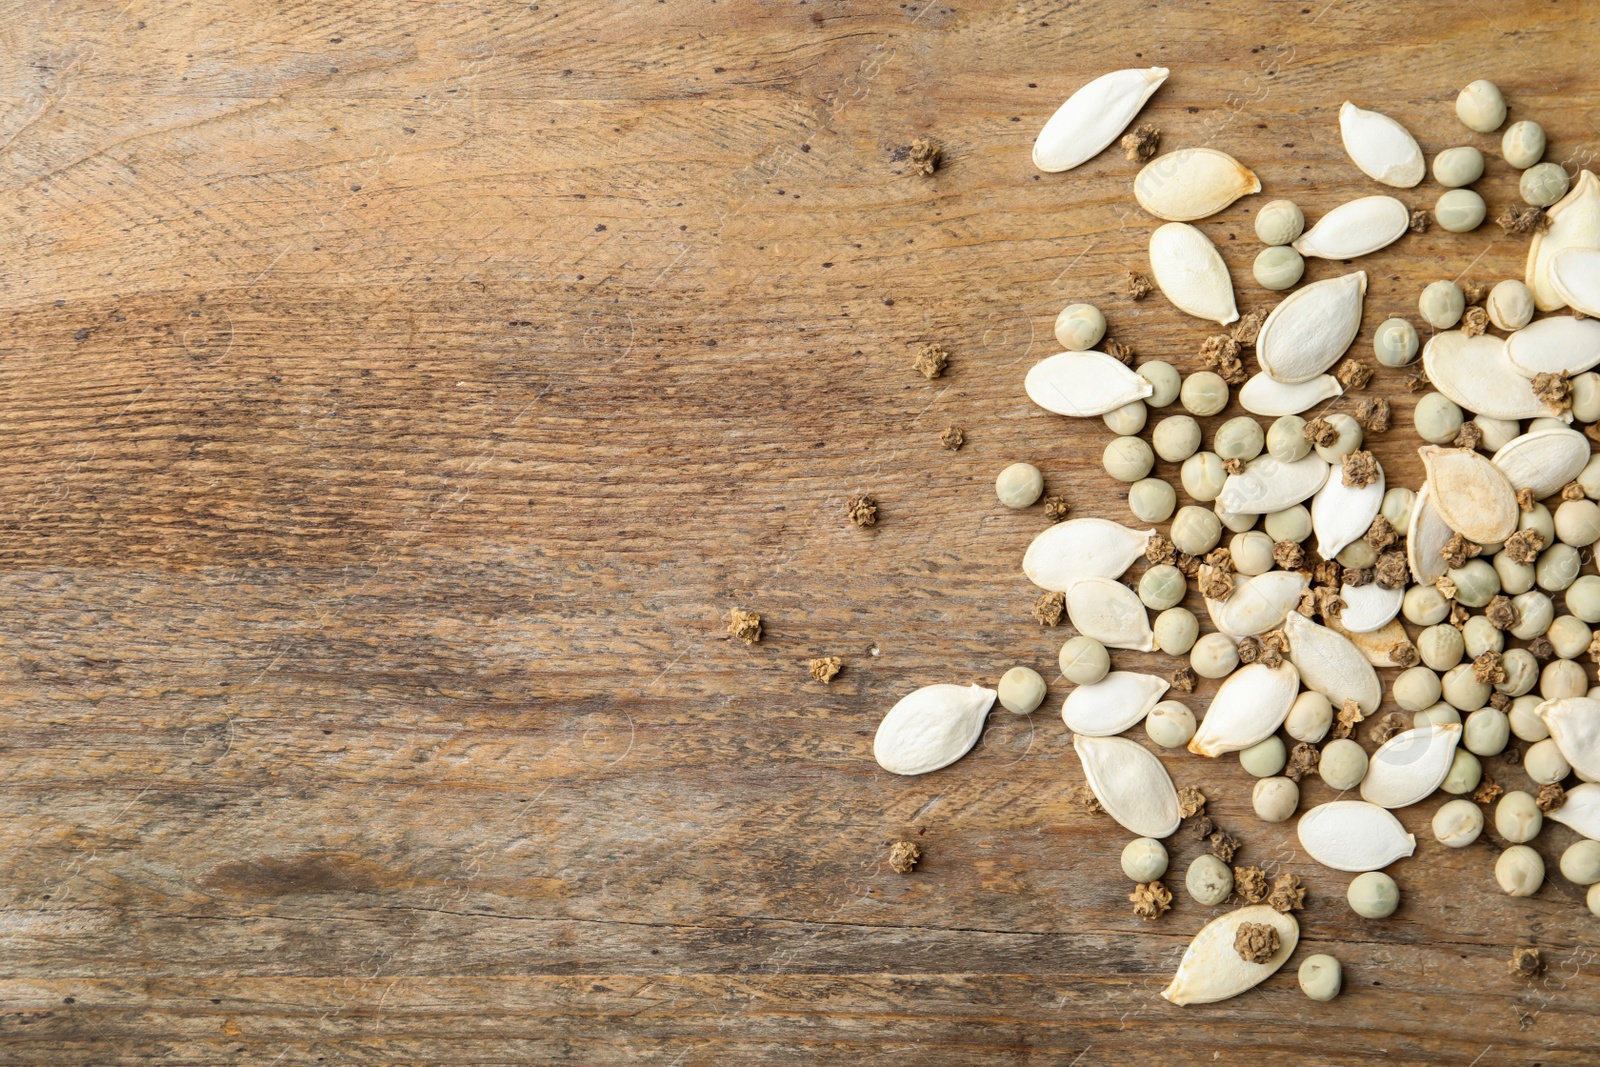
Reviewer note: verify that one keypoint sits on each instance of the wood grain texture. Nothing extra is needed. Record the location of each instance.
(396, 397)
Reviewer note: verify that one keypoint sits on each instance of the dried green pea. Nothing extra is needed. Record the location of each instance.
(1202, 475)
(1127, 459)
(1274, 798)
(1395, 343)
(1538, 518)
(1348, 437)
(1238, 438)
(1373, 895)
(1021, 690)
(1397, 505)
(1170, 724)
(1251, 552)
(1481, 106)
(1084, 661)
(1589, 478)
(1291, 524)
(1459, 211)
(1476, 582)
(1152, 500)
(1416, 688)
(1442, 304)
(1279, 222)
(1237, 521)
(1440, 646)
(1462, 689)
(1525, 720)
(1562, 678)
(1592, 900)
(1176, 630)
(1437, 419)
(1310, 718)
(1213, 656)
(1357, 554)
(1543, 184)
(1534, 614)
(1514, 577)
(1019, 486)
(1278, 267)
(1547, 422)
(1424, 605)
(1480, 636)
(1497, 433)
(1144, 859)
(1458, 823)
(1128, 419)
(1265, 758)
(1510, 305)
(1320, 977)
(1583, 598)
(1195, 530)
(1441, 714)
(1580, 863)
(1522, 145)
(1522, 672)
(1176, 438)
(1517, 817)
(1164, 380)
(1286, 439)
(1343, 764)
(1557, 567)
(1486, 732)
(1465, 772)
(1569, 636)
(1162, 587)
(1455, 167)
(1080, 327)
(1209, 880)
(1204, 393)
(1544, 763)
(1578, 522)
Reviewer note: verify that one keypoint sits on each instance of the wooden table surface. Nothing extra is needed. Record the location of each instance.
(396, 398)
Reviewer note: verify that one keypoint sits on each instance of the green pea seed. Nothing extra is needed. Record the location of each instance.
(1310, 717)
(1170, 724)
(1348, 439)
(1522, 672)
(1583, 598)
(1162, 587)
(1021, 690)
(1520, 872)
(1213, 656)
(1487, 730)
(1176, 438)
(1279, 222)
(1204, 393)
(1286, 439)
(1152, 500)
(1534, 614)
(1275, 799)
(1164, 379)
(1019, 485)
(1128, 419)
(1416, 688)
(1373, 895)
(1195, 530)
(1442, 304)
(1481, 106)
(1084, 661)
(1144, 859)
(1569, 636)
(1278, 267)
(1441, 714)
(1580, 863)
(1525, 720)
(1458, 823)
(1562, 678)
(1239, 438)
(1321, 977)
(1459, 210)
(1514, 577)
(1176, 630)
(1080, 327)
(1236, 521)
(1538, 518)
(1343, 764)
(1455, 167)
(1522, 145)
(1510, 305)
(1202, 475)
(1127, 459)
(1395, 343)
(1480, 636)
(1464, 774)
(1517, 817)
(1357, 554)
(1437, 418)
(1397, 505)
(1544, 763)
(1497, 433)
(1463, 691)
(1290, 524)
(1543, 184)
(1440, 646)
(1557, 567)
(1424, 605)
(1251, 552)
(1578, 522)
(1586, 408)
(1209, 880)
(1265, 758)
(1476, 583)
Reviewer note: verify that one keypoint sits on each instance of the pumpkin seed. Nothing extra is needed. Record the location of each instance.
(1574, 223)
(1387, 646)
(1191, 274)
(1471, 494)
(1311, 328)
(1476, 373)
(1266, 396)
(1329, 663)
(1192, 183)
(1341, 514)
(1071, 551)
(1083, 384)
(1426, 536)
(1356, 228)
(1575, 276)
(1543, 460)
(1112, 705)
(1212, 969)
(1266, 485)
(1248, 707)
(1093, 117)
(1130, 784)
(931, 728)
(1410, 766)
(1258, 604)
(1560, 344)
(1368, 607)
(1383, 149)
(1574, 724)
(1111, 613)
(1354, 835)
(1580, 810)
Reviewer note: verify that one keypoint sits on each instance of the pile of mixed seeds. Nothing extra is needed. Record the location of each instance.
(1304, 610)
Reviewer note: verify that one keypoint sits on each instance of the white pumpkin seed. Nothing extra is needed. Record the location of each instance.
(1212, 970)
(1543, 460)
(1071, 551)
(1192, 183)
(1580, 810)
(1250, 704)
(1574, 724)
(1084, 384)
(931, 728)
(1267, 485)
(1560, 344)
(1574, 223)
(1356, 229)
(1476, 373)
(1257, 604)
(1383, 149)
(1471, 494)
(1191, 274)
(1367, 608)
(1311, 328)
(1575, 276)
(1093, 117)
(1330, 664)
(1410, 765)
(1113, 704)
(1387, 646)
(1111, 613)
(1353, 835)
(1341, 514)
(1266, 396)
(1130, 783)
(1426, 536)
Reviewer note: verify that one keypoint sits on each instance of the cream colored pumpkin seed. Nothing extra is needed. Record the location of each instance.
(1120, 700)
(1330, 664)
(1471, 494)
(1426, 536)
(1093, 117)
(1130, 783)
(1410, 765)
(1267, 485)
(1266, 396)
(1084, 384)
(1311, 328)
(1192, 183)
(1353, 835)
(1111, 613)
(1191, 274)
(1575, 277)
(1250, 704)
(1212, 969)
(1257, 604)
(1387, 646)
(1560, 344)
(1383, 149)
(1356, 229)
(1574, 724)
(1543, 460)
(1476, 373)
(1341, 514)
(1071, 551)
(1580, 810)
(931, 728)
(1367, 608)
(1574, 223)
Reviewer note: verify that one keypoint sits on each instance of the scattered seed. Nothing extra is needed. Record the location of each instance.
(1287, 893)
(1212, 968)
(1487, 792)
(1419, 221)
(925, 156)
(1526, 963)
(1289, 555)
(1302, 761)
(824, 668)
(1139, 285)
(1220, 353)
(863, 510)
(931, 728)
(1474, 321)
(1527, 502)
(1140, 145)
(1502, 615)
(1250, 883)
(1093, 117)
(903, 856)
(953, 438)
(1373, 413)
(1119, 352)
(1248, 328)
(1469, 436)
(1516, 219)
(1191, 802)
(1551, 797)
(1055, 508)
(931, 360)
(1320, 432)
(1555, 390)
(1202, 827)
(745, 625)
(1360, 470)
(1223, 845)
(1192, 184)
(1049, 608)
(1387, 727)
(1349, 714)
